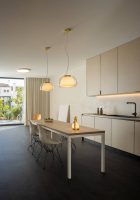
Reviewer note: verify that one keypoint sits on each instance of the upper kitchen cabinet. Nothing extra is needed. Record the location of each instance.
(109, 72)
(115, 71)
(102, 74)
(93, 76)
(129, 67)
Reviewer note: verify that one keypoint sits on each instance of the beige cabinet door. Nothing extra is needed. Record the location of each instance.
(129, 67)
(123, 135)
(89, 122)
(93, 76)
(137, 139)
(109, 72)
(104, 124)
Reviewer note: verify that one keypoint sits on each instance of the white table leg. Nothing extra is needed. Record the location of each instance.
(69, 157)
(103, 153)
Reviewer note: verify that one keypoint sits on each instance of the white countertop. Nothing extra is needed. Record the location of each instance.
(113, 116)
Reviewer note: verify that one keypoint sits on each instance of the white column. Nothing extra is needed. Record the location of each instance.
(69, 157)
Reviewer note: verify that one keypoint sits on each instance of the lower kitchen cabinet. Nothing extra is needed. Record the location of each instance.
(123, 135)
(137, 139)
(98, 123)
(120, 134)
(89, 122)
(104, 124)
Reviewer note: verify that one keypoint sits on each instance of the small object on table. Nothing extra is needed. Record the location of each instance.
(75, 125)
(48, 119)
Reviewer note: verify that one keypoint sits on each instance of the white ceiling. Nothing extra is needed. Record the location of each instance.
(28, 26)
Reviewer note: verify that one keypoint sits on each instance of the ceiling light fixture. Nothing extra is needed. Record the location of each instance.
(23, 70)
(67, 80)
(47, 86)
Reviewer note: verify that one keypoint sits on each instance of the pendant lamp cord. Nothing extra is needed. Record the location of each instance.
(47, 48)
(66, 50)
(47, 64)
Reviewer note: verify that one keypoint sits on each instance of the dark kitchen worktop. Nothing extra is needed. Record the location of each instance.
(114, 116)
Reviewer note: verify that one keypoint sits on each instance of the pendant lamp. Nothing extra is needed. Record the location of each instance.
(47, 86)
(67, 80)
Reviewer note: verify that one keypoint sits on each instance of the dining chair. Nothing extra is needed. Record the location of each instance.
(34, 136)
(34, 133)
(49, 144)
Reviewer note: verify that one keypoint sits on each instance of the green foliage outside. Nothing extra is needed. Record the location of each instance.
(15, 111)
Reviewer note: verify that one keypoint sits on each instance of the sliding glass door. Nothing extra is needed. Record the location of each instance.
(11, 101)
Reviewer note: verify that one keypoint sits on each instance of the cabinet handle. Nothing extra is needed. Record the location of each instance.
(100, 92)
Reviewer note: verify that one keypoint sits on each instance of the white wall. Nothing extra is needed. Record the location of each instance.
(80, 103)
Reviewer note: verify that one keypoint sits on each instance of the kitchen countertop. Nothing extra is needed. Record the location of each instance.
(113, 116)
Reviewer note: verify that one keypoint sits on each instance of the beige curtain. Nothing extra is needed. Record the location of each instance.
(37, 101)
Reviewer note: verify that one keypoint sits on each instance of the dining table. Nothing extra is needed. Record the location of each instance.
(65, 129)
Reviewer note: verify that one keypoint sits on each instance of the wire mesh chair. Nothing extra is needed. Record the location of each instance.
(34, 136)
(49, 144)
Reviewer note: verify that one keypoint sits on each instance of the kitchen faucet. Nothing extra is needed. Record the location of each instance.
(135, 113)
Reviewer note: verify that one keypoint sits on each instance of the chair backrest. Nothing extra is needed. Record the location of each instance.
(43, 134)
(33, 128)
(37, 116)
(63, 114)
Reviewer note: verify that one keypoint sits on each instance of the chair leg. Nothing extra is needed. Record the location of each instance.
(59, 157)
(32, 145)
(44, 162)
(47, 150)
(56, 154)
(53, 149)
(39, 154)
(52, 154)
(73, 146)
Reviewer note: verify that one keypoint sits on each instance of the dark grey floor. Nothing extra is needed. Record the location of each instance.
(22, 178)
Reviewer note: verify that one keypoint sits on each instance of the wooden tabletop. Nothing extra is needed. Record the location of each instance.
(66, 128)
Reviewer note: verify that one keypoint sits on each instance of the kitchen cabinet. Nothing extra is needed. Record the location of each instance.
(104, 124)
(115, 71)
(101, 75)
(129, 67)
(99, 123)
(119, 133)
(109, 72)
(93, 76)
(89, 122)
(137, 139)
(123, 135)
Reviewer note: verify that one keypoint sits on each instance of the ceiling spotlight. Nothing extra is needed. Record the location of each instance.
(23, 70)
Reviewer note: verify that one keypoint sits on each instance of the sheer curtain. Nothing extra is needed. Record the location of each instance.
(37, 101)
